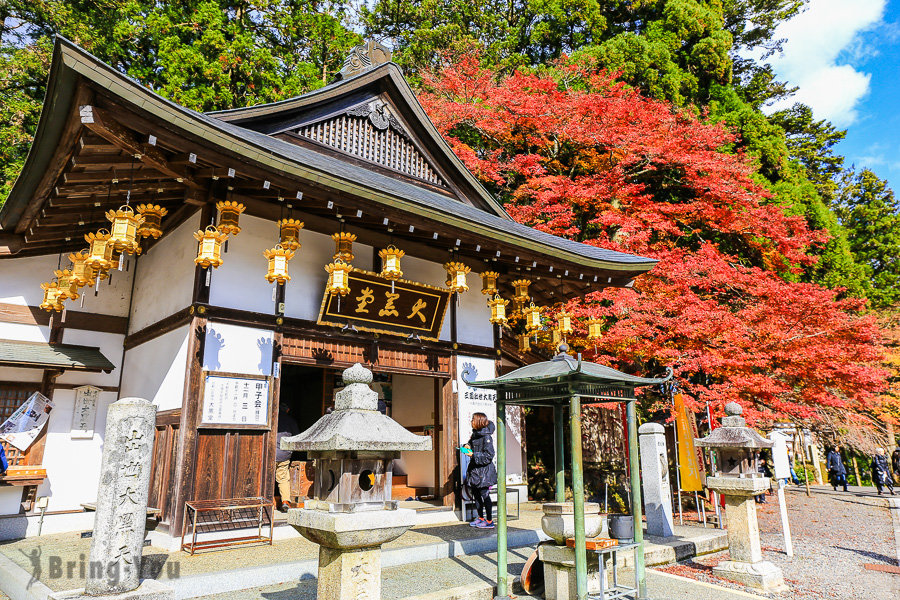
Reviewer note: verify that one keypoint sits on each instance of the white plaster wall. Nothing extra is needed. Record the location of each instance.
(110, 345)
(73, 466)
(473, 317)
(413, 406)
(155, 370)
(10, 499)
(21, 375)
(165, 276)
(304, 292)
(235, 349)
(113, 295)
(20, 278)
(25, 333)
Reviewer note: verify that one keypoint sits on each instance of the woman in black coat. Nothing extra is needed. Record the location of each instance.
(880, 474)
(482, 473)
(836, 471)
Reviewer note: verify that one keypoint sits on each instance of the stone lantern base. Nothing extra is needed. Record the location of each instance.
(762, 575)
(350, 548)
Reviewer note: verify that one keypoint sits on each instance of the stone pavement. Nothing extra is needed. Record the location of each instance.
(296, 559)
(474, 577)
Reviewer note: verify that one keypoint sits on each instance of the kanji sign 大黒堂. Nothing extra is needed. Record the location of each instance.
(373, 304)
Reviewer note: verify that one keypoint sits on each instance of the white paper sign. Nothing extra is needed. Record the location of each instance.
(235, 401)
(473, 400)
(780, 456)
(24, 425)
(85, 412)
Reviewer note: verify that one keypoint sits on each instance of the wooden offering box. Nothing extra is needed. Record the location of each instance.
(596, 543)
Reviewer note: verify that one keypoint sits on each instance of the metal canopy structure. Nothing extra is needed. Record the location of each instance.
(562, 382)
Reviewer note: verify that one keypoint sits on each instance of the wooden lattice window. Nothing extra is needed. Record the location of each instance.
(11, 398)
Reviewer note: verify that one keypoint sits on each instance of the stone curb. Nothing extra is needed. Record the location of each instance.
(193, 586)
(14, 581)
(894, 508)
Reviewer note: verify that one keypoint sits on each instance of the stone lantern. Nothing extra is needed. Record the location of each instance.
(738, 481)
(352, 514)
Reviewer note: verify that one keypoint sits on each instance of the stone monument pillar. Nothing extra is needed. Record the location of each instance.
(120, 524)
(655, 478)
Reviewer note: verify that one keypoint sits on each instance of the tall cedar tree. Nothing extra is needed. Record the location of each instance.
(601, 164)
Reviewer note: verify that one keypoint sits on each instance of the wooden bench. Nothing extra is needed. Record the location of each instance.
(227, 514)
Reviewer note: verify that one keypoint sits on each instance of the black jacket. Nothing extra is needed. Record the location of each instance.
(835, 465)
(287, 427)
(481, 472)
(880, 468)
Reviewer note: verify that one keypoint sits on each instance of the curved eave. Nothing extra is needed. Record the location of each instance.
(572, 376)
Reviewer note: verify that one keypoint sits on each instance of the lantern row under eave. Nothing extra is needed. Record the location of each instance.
(209, 251)
(278, 258)
(338, 277)
(229, 217)
(152, 225)
(390, 262)
(456, 276)
(124, 224)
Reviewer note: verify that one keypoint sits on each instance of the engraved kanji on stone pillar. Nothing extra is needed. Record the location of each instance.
(120, 524)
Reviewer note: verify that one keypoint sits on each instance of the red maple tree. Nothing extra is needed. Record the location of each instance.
(578, 154)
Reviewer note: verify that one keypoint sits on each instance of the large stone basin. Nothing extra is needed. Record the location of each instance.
(559, 520)
(349, 531)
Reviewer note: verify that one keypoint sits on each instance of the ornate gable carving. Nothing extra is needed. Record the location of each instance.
(371, 132)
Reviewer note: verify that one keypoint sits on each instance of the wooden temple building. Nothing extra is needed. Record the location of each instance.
(218, 348)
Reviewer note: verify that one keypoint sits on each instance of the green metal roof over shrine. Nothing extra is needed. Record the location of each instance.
(556, 380)
(43, 355)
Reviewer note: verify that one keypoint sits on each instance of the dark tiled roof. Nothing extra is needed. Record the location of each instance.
(564, 366)
(44, 355)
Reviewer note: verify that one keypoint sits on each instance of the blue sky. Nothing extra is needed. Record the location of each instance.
(845, 57)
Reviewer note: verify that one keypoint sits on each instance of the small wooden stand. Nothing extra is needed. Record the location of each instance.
(225, 515)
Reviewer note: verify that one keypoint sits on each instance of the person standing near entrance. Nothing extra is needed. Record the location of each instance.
(482, 473)
(880, 474)
(837, 473)
(287, 427)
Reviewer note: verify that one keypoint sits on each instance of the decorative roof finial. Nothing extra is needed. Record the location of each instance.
(364, 57)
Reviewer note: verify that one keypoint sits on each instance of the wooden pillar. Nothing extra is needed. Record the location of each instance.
(449, 438)
(186, 453)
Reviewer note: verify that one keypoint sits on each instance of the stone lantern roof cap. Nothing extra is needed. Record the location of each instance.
(734, 432)
(356, 424)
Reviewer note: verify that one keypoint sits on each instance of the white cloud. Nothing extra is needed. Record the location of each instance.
(819, 41)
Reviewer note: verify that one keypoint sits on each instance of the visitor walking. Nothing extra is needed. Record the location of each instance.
(880, 474)
(837, 473)
(287, 427)
(482, 473)
(895, 461)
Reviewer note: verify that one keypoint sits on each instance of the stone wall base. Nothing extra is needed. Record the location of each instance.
(349, 574)
(150, 589)
(559, 572)
(761, 575)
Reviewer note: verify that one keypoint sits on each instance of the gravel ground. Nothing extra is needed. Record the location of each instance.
(834, 535)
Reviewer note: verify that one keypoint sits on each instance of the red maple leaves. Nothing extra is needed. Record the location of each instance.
(579, 155)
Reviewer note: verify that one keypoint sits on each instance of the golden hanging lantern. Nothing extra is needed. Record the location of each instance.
(489, 283)
(524, 343)
(595, 328)
(343, 246)
(101, 250)
(532, 316)
(52, 300)
(124, 228)
(338, 277)
(103, 272)
(290, 233)
(209, 252)
(82, 273)
(390, 262)
(521, 296)
(278, 264)
(456, 276)
(68, 289)
(564, 321)
(555, 337)
(498, 309)
(152, 225)
(229, 217)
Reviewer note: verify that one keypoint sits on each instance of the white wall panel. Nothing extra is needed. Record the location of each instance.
(165, 276)
(21, 375)
(110, 345)
(20, 278)
(155, 370)
(304, 292)
(235, 349)
(240, 281)
(24, 333)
